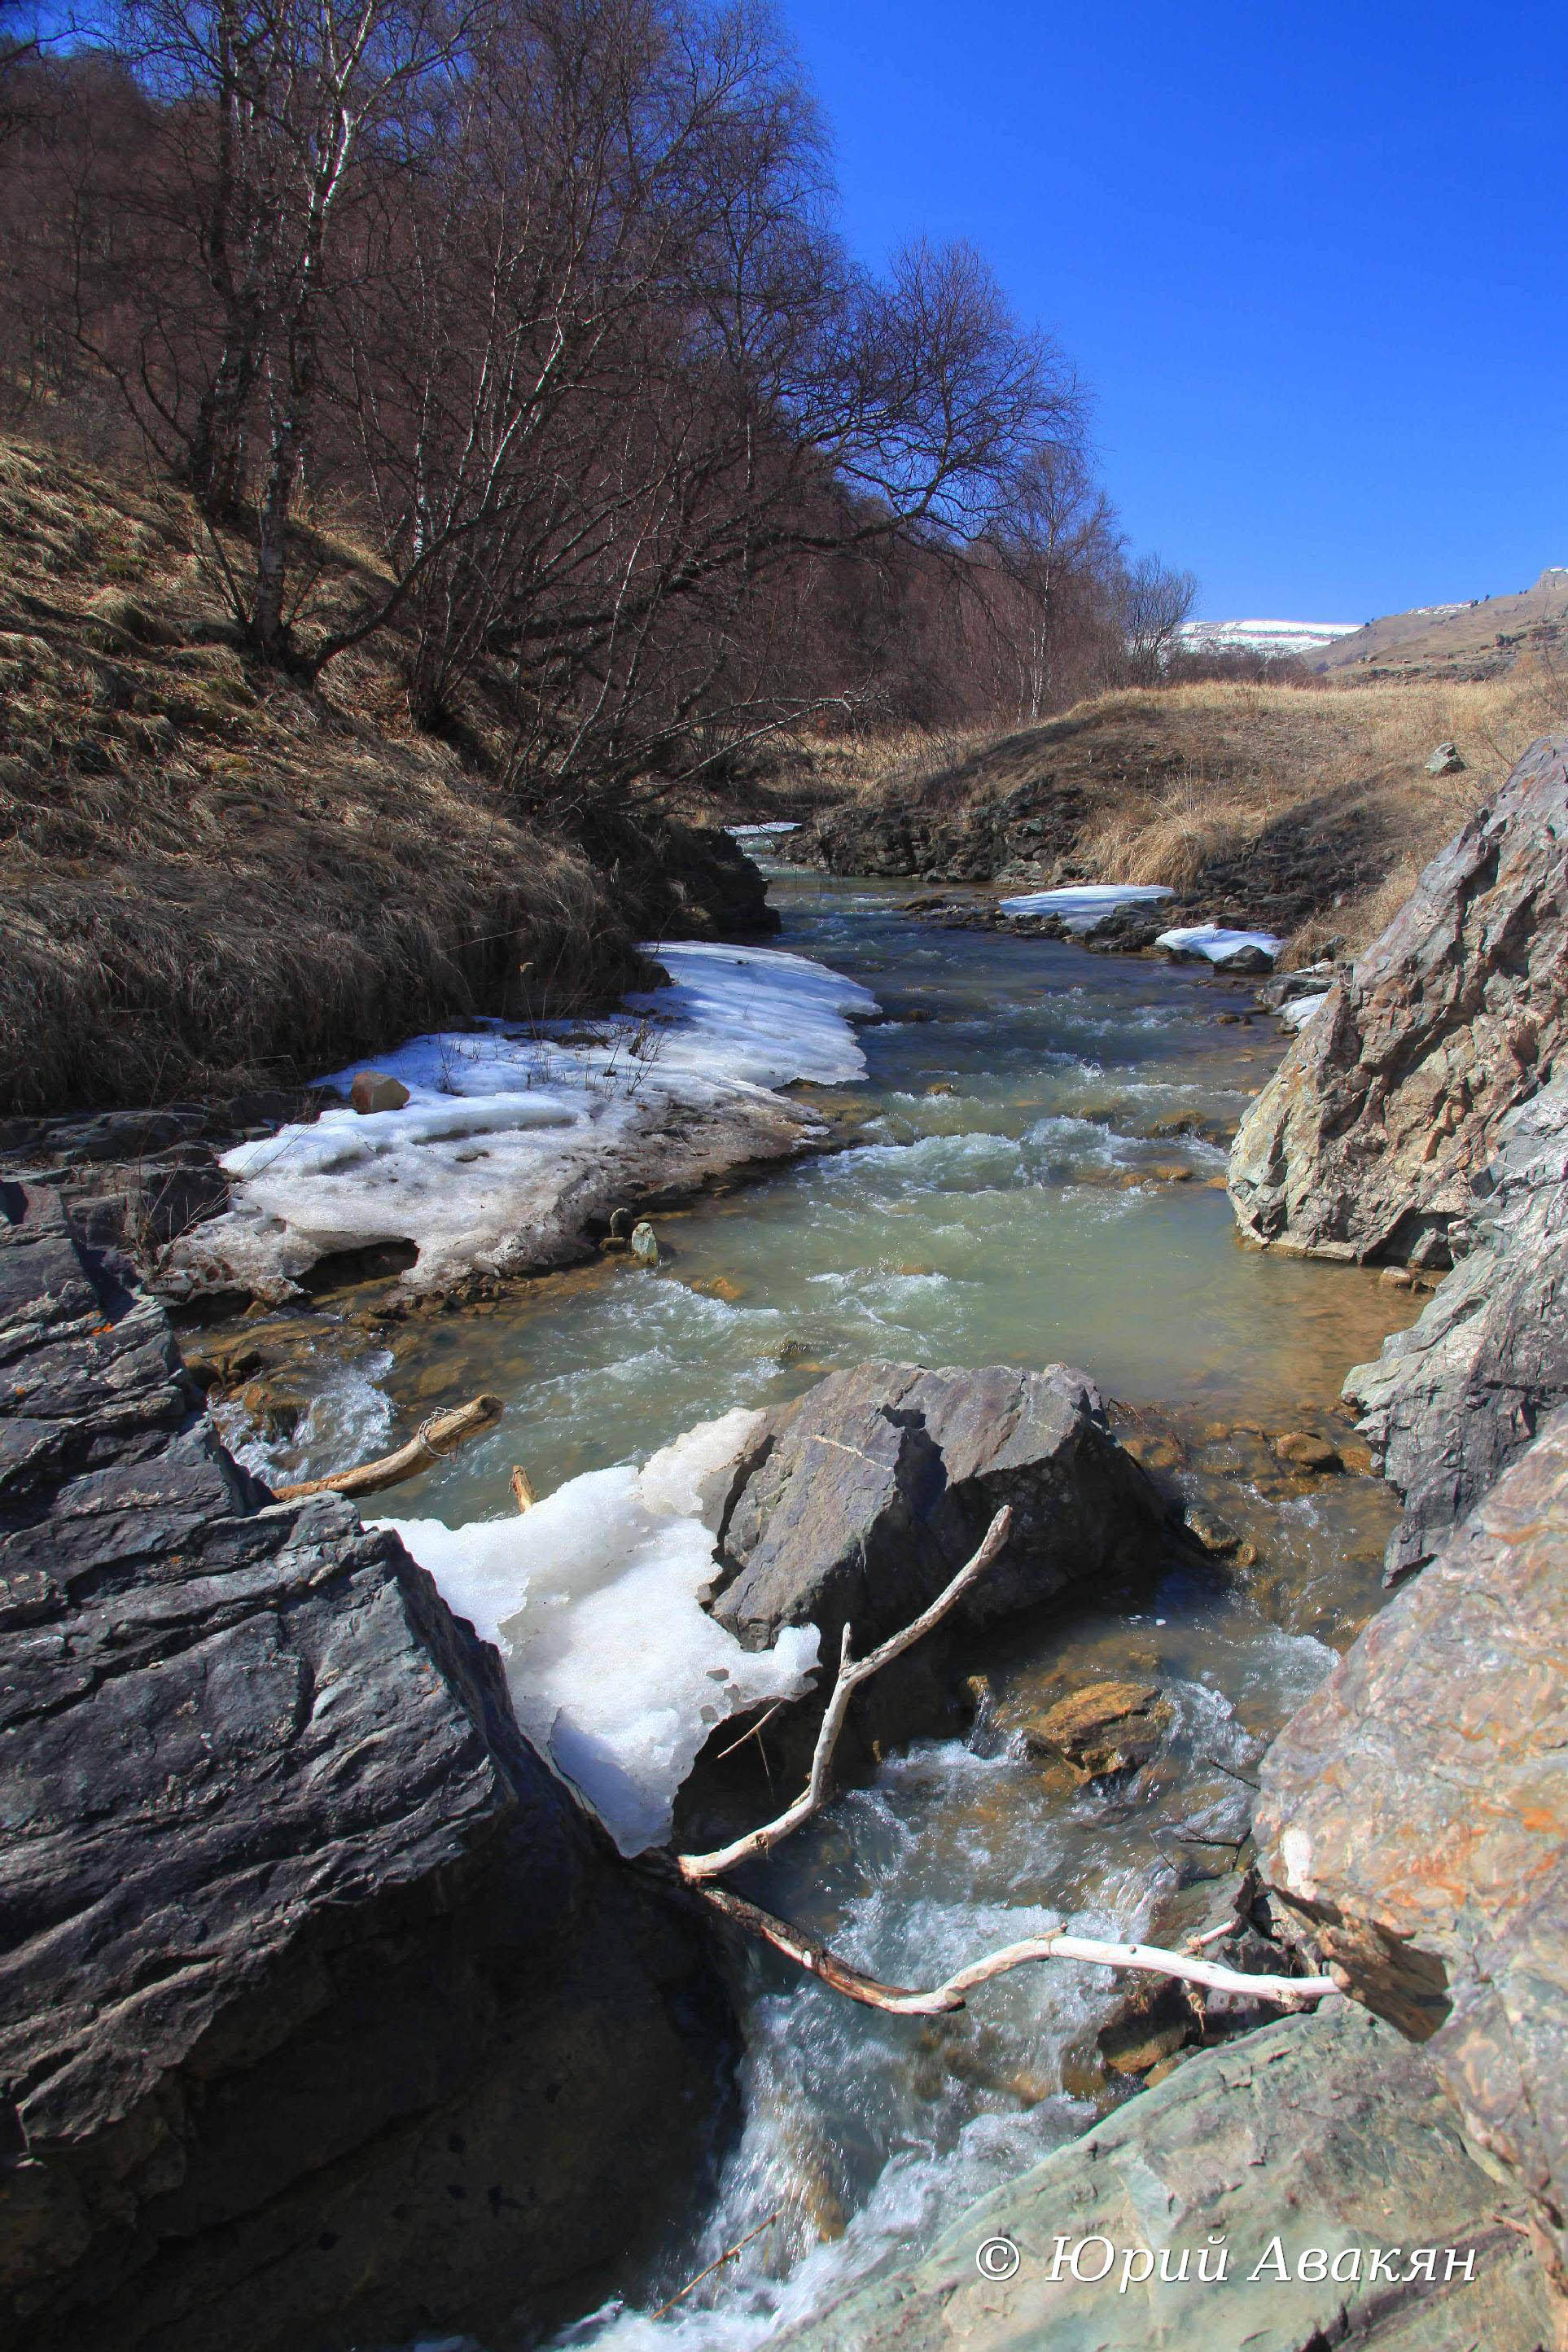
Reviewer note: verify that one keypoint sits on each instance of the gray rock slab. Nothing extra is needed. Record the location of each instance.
(323, 2009)
(1367, 1141)
(1325, 2131)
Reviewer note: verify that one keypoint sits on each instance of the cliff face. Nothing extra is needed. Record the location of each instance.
(1415, 1824)
(1454, 1399)
(1367, 1142)
(325, 2012)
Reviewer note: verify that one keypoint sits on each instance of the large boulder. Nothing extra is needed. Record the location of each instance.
(857, 1503)
(1323, 2131)
(324, 2011)
(1367, 1141)
(1451, 1402)
(1414, 1824)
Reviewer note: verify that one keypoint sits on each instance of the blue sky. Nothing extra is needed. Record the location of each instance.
(1310, 261)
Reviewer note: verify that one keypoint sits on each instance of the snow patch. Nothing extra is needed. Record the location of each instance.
(511, 1139)
(1298, 1010)
(1216, 944)
(1277, 637)
(750, 832)
(1084, 905)
(594, 1599)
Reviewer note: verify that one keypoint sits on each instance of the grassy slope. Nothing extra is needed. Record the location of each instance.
(209, 878)
(1186, 785)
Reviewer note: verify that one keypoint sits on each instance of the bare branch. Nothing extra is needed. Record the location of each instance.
(900, 2001)
(852, 1673)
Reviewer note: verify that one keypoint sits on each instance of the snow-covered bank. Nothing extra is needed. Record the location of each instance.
(1088, 903)
(1214, 944)
(511, 1139)
(594, 1599)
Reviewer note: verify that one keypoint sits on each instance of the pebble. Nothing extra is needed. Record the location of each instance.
(1304, 1451)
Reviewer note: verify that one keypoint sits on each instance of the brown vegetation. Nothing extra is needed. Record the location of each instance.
(1200, 786)
(212, 877)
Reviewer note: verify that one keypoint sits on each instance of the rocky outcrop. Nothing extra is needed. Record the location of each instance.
(1451, 1402)
(860, 1501)
(325, 2014)
(1325, 2132)
(1367, 1142)
(1414, 1824)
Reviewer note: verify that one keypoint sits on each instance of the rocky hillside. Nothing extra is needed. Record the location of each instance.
(1485, 638)
(215, 879)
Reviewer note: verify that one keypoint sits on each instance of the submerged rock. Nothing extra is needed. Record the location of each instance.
(1414, 1822)
(860, 1501)
(1321, 2131)
(1103, 1729)
(1454, 1399)
(1368, 1138)
(325, 2012)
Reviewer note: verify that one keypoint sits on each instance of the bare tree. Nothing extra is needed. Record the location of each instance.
(1155, 600)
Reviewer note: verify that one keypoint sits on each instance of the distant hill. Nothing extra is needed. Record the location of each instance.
(1478, 640)
(1304, 638)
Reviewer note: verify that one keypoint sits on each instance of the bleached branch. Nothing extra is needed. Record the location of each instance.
(901, 2001)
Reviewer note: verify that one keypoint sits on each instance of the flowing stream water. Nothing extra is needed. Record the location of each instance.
(1031, 1173)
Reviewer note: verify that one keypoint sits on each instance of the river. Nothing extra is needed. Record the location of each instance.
(1031, 1173)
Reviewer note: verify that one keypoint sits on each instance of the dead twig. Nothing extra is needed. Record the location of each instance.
(522, 1491)
(442, 1434)
(728, 2255)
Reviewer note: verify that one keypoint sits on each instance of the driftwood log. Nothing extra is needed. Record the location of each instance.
(441, 1435)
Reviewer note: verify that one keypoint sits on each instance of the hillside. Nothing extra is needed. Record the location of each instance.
(1303, 810)
(216, 879)
(1486, 638)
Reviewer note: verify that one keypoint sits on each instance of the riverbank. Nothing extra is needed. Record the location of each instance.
(219, 881)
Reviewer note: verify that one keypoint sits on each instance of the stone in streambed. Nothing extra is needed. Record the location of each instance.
(1303, 1451)
(1104, 1728)
(857, 1503)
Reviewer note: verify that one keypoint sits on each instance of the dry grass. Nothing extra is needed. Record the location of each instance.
(212, 878)
(1186, 785)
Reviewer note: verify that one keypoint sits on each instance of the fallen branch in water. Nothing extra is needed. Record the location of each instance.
(852, 1673)
(904, 2000)
(441, 1435)
(728, 2255)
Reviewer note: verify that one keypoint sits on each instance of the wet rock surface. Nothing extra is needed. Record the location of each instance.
(857, 1503)
(1413, 1823)
(1326, 2130)
(326, 2014)
(1451, 1402)
(1368, 1139)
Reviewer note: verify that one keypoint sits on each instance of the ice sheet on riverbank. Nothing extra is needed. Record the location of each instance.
(1219, 946)
(1088, 904)
(511, 1139)
(593, 1599)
